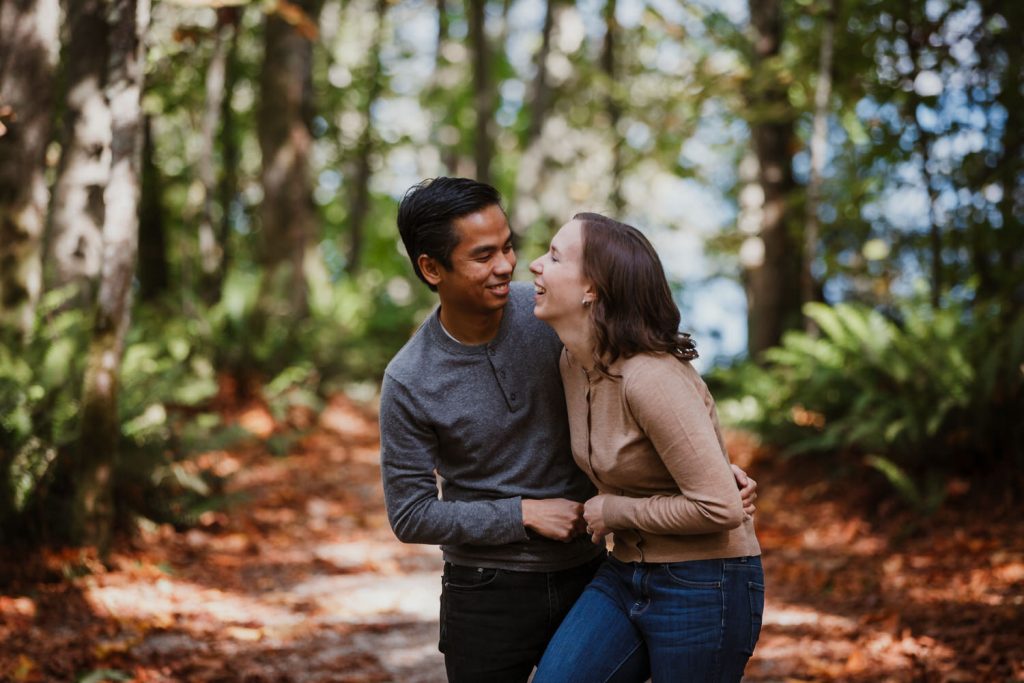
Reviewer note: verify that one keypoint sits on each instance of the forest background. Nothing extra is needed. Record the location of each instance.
(197, 207)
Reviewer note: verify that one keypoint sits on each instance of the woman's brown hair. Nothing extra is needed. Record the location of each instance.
(634, 311)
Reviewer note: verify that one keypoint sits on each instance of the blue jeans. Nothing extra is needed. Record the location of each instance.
(692, 621)
(495, 623)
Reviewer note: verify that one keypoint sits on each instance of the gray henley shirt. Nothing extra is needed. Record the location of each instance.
(491, 420)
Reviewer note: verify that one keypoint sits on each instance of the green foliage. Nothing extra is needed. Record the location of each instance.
(165, 379)
(353, 327)
(929, 393)
(39, 386)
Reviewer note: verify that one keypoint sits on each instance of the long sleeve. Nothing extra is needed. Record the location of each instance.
(675, 419)
(410, 452)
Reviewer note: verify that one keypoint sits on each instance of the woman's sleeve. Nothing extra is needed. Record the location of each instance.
(673, 415)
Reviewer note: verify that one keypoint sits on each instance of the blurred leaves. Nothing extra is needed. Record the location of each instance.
(915, 394)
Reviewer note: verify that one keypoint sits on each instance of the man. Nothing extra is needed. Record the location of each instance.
(475, 398)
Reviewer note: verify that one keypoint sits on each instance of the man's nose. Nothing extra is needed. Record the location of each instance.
(506, 263)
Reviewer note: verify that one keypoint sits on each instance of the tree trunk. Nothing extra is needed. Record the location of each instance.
(819, 149)
(773, 285)
(216, 70)
(153, 276)
(76, 242)
(28, 57)
(609, 66)
(286, 144)
(1009, 239)
(92, 501)
(529, 175)
(483, 95)
(360, 197)
(228, 184)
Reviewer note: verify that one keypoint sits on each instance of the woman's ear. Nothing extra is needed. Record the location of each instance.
(589, 295)
(431, 269)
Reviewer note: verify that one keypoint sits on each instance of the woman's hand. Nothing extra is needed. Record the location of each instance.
(593, 514)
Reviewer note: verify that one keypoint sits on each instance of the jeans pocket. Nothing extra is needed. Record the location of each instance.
(756, 592)
(700, 574)
(469, 578)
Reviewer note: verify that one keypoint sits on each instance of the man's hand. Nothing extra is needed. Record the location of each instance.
(748, 490)
(555, 518)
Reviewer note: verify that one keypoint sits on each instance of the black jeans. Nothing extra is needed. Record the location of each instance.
(496, 623)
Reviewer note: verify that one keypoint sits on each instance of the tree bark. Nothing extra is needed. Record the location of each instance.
(483, 94)
(360, 198)
(28, 57)
(819, 149)
(92, 500)
(609, 66)
(531, 164)
(76, 242)
(153, 275)
(228, 183)
(773, 286)
(210, 252)
(1009, 239)
(286, 144)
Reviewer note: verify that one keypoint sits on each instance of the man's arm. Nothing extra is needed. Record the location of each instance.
(748, 489)
(409, 451)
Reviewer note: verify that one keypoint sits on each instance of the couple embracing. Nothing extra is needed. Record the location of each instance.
(551, 417)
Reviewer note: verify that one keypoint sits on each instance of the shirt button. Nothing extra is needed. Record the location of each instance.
(513, 396)
(501, 373)
(491, 350)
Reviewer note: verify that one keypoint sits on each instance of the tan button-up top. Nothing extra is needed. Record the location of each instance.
(650, 438)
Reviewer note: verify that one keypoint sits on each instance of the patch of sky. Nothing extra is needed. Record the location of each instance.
(590, 14)
(401, 117)
(714, 311)
(525, 22)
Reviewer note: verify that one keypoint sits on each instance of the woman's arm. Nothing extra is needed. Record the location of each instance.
(673, 415)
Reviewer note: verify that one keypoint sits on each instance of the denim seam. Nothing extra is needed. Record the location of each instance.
(624, 660)
(723, 591)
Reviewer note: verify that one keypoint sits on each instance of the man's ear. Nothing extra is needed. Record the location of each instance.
(431, 269)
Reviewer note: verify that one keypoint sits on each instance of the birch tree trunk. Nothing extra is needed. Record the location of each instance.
(76, 242)
(773, 282)
(28, 57)
(286, 143)
(92, 500)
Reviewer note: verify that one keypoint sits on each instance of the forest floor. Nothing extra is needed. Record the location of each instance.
(302, 580)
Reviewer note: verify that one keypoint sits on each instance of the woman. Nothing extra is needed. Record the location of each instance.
(683, 588)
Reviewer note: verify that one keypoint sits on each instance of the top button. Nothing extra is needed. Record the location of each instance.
(491, 350)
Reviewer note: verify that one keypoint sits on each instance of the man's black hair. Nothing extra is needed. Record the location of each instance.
(427, 213)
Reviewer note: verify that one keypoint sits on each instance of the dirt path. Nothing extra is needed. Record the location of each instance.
(303, 581)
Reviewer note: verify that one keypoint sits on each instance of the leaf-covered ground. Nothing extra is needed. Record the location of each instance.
(301, 580)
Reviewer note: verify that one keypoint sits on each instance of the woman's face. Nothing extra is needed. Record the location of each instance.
(558, 277)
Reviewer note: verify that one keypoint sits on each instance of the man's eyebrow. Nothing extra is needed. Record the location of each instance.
(479, 251)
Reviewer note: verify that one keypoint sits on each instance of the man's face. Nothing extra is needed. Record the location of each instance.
(482, 263)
